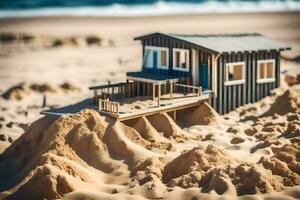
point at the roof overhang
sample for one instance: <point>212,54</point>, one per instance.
<point>205,48</point>
<point>143,37</point>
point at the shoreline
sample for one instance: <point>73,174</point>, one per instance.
<point>137,18</point>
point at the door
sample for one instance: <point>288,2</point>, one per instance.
<point>155,59</point>
<point>204,76</point>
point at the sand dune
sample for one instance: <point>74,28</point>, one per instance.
<point>23,90</point>
<point>10,39</point>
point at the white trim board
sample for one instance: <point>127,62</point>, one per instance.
<point>265,80</point>
<point>158,49</point>
<point>187,69</point>
<point>235,82</point>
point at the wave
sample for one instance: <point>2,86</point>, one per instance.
<point>159,8</point>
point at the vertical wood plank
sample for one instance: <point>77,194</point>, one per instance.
<point>225,93</point>
<point>158,96</point>
<point>257,85</point>
<point>220,84</point>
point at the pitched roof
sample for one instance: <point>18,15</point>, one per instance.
<point>222,43</point>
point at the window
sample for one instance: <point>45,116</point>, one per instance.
<point>156,57</point>
<point>163,55</point>
<point>148,58</point>
<point>265,71</point>
<point>235,73</point>
<point>181,60</point>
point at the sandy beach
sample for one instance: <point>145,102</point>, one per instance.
<point>49,62</point>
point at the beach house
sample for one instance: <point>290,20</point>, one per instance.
<point>226,70</point>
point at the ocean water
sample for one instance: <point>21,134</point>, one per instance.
<point>29,8</point>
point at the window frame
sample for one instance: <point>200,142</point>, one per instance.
<point>187,51</point>
<point>165,67</point>
<point>260,80</point>
<point>235,82</point>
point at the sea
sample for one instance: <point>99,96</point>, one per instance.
<point>127,8</point>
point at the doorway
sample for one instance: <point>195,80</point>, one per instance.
<point>155,60</point>
<point>204,76</point>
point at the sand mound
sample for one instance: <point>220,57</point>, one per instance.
<point>45,183</point>
<point>42,88</point>
<point>66,86</point>
<point>289,101</point>
<point>218,180</point>
<point>202,115</point>
<point>70,144</point>
<point>192,179</point>
<point>152,189</point>
<point>22,90</point>
<point>16,92</point>
<point>46,41</point>
<point>281,169</point>
<point>147,131</point>
<point>199,158</point>
<point>147,167</point>
<point>124,141</point>
<point>255,179</point>
<point>165,124</point>
<point>237,140</point>
<point>147,178</point>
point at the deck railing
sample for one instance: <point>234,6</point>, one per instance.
<point>111,94</point>
<point>109,106</point>
<point>195,89</point>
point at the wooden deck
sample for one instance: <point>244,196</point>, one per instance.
<point>169,106</point>
<point>127,102</point>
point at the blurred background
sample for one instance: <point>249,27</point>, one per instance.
<point>58,48</point>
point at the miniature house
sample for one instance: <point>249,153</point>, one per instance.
<point>226,70</point>
<point>237,68</point>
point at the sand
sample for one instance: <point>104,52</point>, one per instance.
<point>57,158</point>
<point>202,115</point>
<point>249,153</point>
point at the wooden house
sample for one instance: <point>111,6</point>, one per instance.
<point>236,68</point>
<point>226,70</point>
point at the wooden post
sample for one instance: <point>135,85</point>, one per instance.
<point>108,89</point>
<point>171,90</point>
<point>138,89</point>
<point>199,91</point>
<point>144,89</point>
<point>126,89</point>
<point>118,104</point>
<point>158,95</point>
<point>148,89</point>
<point>107,104</point>
<point>174,115</point>
<point>95,97</point>
<point>153,91</point>
<point>100,105</point>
